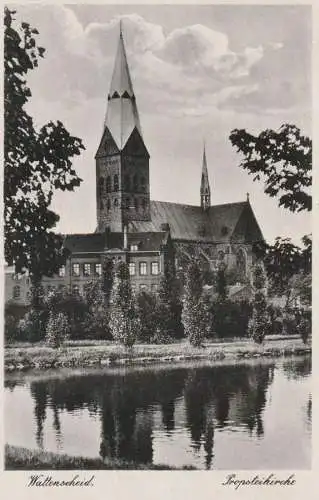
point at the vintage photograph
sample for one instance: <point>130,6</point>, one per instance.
<point>157,237</point>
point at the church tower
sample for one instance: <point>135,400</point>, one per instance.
<point>204,187</point>
<point>122,160</point>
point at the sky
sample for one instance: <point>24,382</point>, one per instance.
<point>198,72</point>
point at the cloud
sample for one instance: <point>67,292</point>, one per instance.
<point>192,68</point>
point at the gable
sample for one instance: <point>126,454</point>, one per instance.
<point>135,145</point>
<point>247,228</point>
<point>107,145</point>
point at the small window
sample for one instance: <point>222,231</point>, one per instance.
<point>98,269</point>
<point>116,202</point>
<point>76,269</point>
<point>108,205</point>
<point>132,268</point>
<point>16,292</point>
<point>134,248</point>
<point>76,290</point>
<point>87,269</point>
<point>155,268</point>
<point>143,288</point>
<point>116,182</point>
<point>143,268</point>
<point>62,271</point>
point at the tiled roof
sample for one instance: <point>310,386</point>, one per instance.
<point>189,222</point>
<point>93,242</point>
<point>149,241</point>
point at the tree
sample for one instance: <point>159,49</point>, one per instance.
<point>169,304</point>
<point>123,318</point>
<point>195,314</point>
<point>36,163</point>
<point>57,329</point>
<point>259,322</point>
<point>283,159</point>
<point>146,308</point>
<point>97,319</point>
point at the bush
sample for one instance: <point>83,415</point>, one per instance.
<point>159,337</point>
<point>58,329</point>
<point>230,319</point>
<point>259,323</point>
<point>148,316</point>
<point>32,326</point>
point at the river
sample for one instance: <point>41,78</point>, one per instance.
<point>252,415</point>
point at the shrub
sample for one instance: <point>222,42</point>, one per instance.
<point>230,319</point>
<point>32,326</point>
<point>124,322</point>
<point>148,316</point>
<point>195,315</point>
<point>259,322</point>
<point>57,330</point>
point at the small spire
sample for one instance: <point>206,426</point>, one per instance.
<point>121,29</point>
<point>205,188</point>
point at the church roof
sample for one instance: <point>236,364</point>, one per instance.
<point>122,114</point>
<point>188,222</point>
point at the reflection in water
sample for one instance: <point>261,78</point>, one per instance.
<point>135,407</point>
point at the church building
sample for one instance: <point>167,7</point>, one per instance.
<point>142,232</point>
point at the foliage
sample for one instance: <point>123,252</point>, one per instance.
<point>124,323</point>
<point>107,279</point>
<point>283,159</point>
<point>97,320</point>
<point>57,329</point>
<point>32,326</point>
<point>194,315</point>
<point>36,163</point>
<point>147,313</point>
<point>169,303</point>
<point>75,309</point>
<point>304,326</point>
<point>259,321</point>
<point>230,319</point>
<point>288,266</point>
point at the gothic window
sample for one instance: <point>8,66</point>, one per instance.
<point>108,204</point>
<point>135,183</point>
<point>116,202</point>
<point>241,263</point>
<point>101,204</point>
<point>127,186</point>
<point>143,184</point>
<point>108,184</point>
<point>116,182</point>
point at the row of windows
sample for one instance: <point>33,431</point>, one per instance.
<point>143,271</point>
<point>130,183</point>
<point>89,269</point>
<point>128,203</point>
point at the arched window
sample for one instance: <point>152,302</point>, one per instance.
<point>127,184</point>
<point>16,292</point>
<point>135,183</point>
<point>241,263</point>
<point>116,182</point>
<point>116,202</point>
<point>108,184</point>
<point>108,204</point>
<point>143,184</point>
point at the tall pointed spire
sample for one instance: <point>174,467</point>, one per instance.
<point>122,115</point>
<point>204,187</point>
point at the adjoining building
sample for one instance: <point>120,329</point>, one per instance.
<point>144,233</point>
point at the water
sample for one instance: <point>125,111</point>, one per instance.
<point>249,416</point>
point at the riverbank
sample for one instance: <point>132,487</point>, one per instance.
<point>18,458</point>
<point>40,357</point>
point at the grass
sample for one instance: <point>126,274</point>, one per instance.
<point>18,458</point>
<point>110,353</point>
